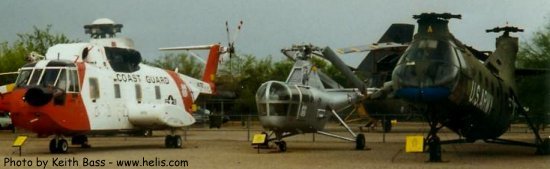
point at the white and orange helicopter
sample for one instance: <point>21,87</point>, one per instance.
<point>101,86</point>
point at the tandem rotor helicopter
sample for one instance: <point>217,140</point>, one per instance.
<point>452,85</point>
<point>455,86</point>
<point>103,87</point>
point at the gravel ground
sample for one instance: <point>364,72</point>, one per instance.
<point>228,148</point>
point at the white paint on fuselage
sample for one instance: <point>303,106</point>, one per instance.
<point>110,113</point>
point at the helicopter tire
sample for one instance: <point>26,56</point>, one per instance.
<point>168,141</point>
<point>434,149</point>
<point>282,146</point>
<point>62,146</point>
<point>360,142</point>
<point>544,147</point>
<point>53,146</point>
<point>177,141</point>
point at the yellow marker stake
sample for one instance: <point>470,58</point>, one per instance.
<point>258,140</point>
<point>19,141</point>
<point>414,144</point>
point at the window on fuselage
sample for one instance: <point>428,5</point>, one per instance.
<point>138,93</point>
<point>74,83</point>
<point>157,92</point>
<point>94,88</point>
<point>117,91</point>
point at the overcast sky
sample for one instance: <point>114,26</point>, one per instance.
<point>269,25</point>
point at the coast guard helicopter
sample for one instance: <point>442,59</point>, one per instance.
<point>102,87</point>
<point>302,104</point>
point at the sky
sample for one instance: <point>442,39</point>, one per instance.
<point>269,25</point>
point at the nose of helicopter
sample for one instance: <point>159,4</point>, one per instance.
<point>38,96</point>
<point>426,81</point>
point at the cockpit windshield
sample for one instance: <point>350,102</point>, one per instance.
<point>64,78</point>
<point>429,50</point>
<point>427,63</point>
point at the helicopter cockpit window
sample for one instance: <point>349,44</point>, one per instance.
<point>24,76</point>
<point>49,77</point>
<point>73,82</point>
<point>428,62</point>
<point>35,77</point>
<point>123,60</point>
<point>430,50</point>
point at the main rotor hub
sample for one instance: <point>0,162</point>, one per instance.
<point>505,29</point>
<point>301,51</point>
<point>102,28</point>
<point>436,16</point>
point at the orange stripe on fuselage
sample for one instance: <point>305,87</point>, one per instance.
<point>187,97</point>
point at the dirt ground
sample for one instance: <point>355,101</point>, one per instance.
<point>229,147</point>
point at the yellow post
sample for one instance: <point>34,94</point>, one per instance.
<point>19,141</point>
<point>258,140</point>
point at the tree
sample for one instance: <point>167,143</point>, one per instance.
<point>534,92</point>
<point>13,56</point>
<point>182,61</point>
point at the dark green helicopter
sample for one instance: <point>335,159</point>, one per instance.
<point>470,92</point>
<point>452,85</point>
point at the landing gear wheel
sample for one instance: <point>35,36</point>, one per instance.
<point>360,142</point>
<point>282,146</point>
<point>53,146</point>
<point>168,141</point>
<point>62,146</point>
<point>177,141</point>
<point>544,147</point>
<point>434,149</point>
<point>173,141</point>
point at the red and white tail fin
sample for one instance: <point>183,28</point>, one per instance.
<point>211,67</point>
<point>211,64</point>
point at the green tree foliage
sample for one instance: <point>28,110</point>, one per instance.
<point>534,91</point>
<point>13,56</point>
<point>182,61</point>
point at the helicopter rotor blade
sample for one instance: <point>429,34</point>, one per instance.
<point>371,47</point>
<point>9,73</point>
